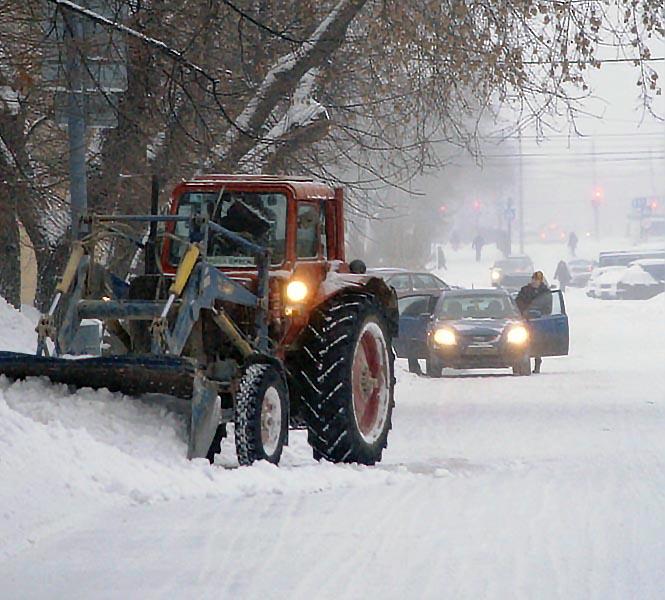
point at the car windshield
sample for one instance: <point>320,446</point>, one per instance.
<point>476,306</point>
<point>259,218</point>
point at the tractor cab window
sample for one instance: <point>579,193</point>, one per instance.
<point>323,230</point>
<point>307,238</point>
<point>258,217</point>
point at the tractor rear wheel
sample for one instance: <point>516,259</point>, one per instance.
<point>261,415</point>
<point>347,379</point>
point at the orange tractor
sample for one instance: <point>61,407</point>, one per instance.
<point>247,312</point>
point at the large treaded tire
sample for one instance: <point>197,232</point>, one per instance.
<point>262,385</point>
<point>338,331</point>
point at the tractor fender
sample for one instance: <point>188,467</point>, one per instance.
<point>336,284</point>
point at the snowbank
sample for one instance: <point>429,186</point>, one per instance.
<point>64,455</point>
<point>17,331</point>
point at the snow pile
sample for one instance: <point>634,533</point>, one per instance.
<point>64,455</point>
<point>17,331</point>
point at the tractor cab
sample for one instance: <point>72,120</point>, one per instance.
<point>297,219</point>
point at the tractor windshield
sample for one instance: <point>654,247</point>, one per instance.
<point>258,217</point>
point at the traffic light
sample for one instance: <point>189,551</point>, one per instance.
<point>476,205</point>
<point>653,204</point>
<point>598,195</point>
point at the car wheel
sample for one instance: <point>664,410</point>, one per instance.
<point>523,367</point>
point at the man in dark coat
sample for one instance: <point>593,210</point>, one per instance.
<point>536,288</point>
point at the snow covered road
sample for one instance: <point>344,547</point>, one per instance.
<point>551,486</point>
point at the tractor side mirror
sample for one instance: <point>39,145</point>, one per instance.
<point>357,267</point>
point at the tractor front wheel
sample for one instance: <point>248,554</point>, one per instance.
<point>348,380</point>
<point>261,415</point>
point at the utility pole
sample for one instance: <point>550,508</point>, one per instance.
<point>509,213</point>
<point>86,67</point>
<point>521,195</point>
<point>595,201</point>
<point>78,187</point>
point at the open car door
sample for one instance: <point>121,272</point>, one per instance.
<point>548,325</point>
<point>415,312</point>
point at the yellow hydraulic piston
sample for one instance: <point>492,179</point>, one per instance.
<point>185,269</point>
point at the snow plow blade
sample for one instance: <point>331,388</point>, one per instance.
<point>132,376</point>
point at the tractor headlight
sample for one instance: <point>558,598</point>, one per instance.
<point>517,335</point>
<point>445,337</point>
<point>495,275</point>
<point>296,291</point>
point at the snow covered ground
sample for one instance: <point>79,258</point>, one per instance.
<point>551,486</point>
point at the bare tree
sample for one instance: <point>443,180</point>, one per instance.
<point>354,91</point>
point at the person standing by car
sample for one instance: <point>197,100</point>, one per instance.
<point>562,275</point>
<point>525,298</point>
<point>440,258</point>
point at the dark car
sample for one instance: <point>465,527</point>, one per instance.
<point>410,282</point>
<point>580,271</point>
<point>512,272</point>
<point>481,329</point>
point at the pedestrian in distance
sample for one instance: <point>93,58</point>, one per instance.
<point>562,275</point>
<point>440,258</point>
<point>477,244</point>
<point>454,241</point>
<point>572,242</point>
<point>525,299</point>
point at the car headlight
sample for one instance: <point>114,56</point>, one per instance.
<point>445,337</point>
<point>495,275</point>
<point>517,335</point>
<point>296,291</point>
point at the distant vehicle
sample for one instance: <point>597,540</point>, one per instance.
<point>580,271</point>
<point>552,232</point>
<point>483,329</point>
<point>512,272</point>
<point>654,266</point>
<point>622,258</point>
<point>637,284</point>
<point>603,282</point>
<point>410,282</point>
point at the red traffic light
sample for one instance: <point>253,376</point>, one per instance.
<point>598,195</point>
<point>476,205</point>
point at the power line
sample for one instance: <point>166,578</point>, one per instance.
<point>573,156</point>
